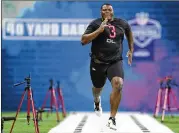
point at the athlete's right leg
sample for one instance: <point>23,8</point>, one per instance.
<point>98,77</point>
<point>97,94</point>
<point>97,101</point>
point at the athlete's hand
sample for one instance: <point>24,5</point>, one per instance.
<point>103,25</point>
<point>129,55</point>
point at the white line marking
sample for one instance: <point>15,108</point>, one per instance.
<point>95,124</point>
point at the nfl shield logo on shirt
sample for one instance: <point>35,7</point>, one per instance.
<point>145,32</point>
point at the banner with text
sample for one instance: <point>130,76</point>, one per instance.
<point>44,29</point>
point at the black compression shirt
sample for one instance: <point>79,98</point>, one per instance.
<point>108,45</point>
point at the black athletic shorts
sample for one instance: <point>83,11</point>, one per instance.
<point>100,72</point>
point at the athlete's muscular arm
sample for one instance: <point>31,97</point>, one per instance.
<point>129,37</point>
<point>88,37</point>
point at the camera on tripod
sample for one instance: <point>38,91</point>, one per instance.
<point>27,80</point>
<point>30,102</point>
<point>170,82</point>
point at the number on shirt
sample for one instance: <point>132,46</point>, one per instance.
<point>113,31</point>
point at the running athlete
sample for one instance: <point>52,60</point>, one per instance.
<point>107,35</point>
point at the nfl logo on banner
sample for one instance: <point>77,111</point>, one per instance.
<point>145,32</point>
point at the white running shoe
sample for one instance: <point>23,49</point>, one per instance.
<point>112,123</point>
<point>97,108</point>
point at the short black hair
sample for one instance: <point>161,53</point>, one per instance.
<point>105,4</point>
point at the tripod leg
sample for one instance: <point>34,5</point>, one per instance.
<point>51,100</point>
<point>161,99</point>
<point>33,111</point>
<point>165,103</point>
<point>18,110</point>
<point>28,107</point>
<point>62,102</point>
<point>46,97</point>
<point>168,101</point>
<point>58,99</point>
<point>157,107</point>
<point>55,102</point>
<point>43,105</point>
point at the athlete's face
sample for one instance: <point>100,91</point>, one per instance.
<point>107,12</point>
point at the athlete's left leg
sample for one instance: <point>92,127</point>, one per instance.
<point>115,74</point>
